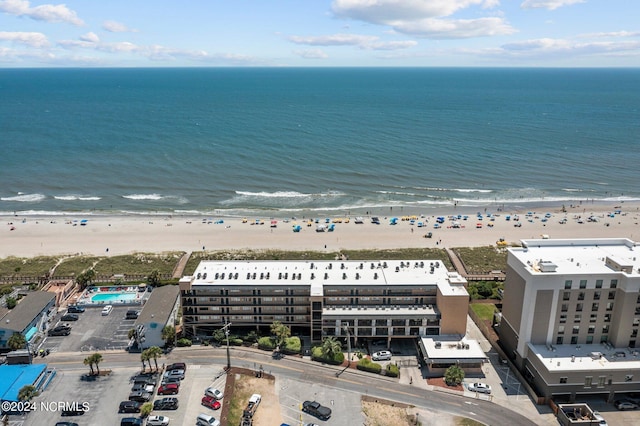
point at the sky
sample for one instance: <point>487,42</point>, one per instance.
<point>319,33</point>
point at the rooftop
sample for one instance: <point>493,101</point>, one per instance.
<point>557,358</point>
<point>579,256</point>
<point>26,310</point>
<point>159,306</point>
<point>14,377</point>
<point>451,349</point>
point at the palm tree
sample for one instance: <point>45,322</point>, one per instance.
<point>27,392</point>
<point>144,356</point>
<point>331,347</point>
<point>154,352</point>
<point>16,341</point>
<point>88,361</point>
<point>168,335</point>
<point>96,359</point>
<point>281,331</point>
<point>153,279</point>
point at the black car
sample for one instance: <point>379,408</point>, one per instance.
<point>70,317</point>
<point>132,314</point>
<point>66,424</point>
<point>316,409</point>
<point>168,403</point>
<point>177,366</point>
<point>78,410</point>
<point>75,309</point>
<point>129,407</point>
<point>140,396</point>
<point>61,330</point>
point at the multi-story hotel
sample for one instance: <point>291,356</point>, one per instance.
<point>571,313</point>
<point>380,300</point>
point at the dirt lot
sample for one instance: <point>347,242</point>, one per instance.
<point>240,386</point>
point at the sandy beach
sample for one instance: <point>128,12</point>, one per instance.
<point>28,236</point>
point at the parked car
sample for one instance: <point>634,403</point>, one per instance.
<point>76,409</point>
<point>169,389</point>
<point>479,387</point>
<point>316,409</point>
<point>601,421</point>
<point>626,404</point>
<point>70,317</point>
<point>178,374</point>
<point>107,310</point>
<point>211,402</point>
<point>129,407</point>
<point>132,314</point>
<point>145,378</point>
<point>140,396</point>
<point>381,356</point>
<point>61,330</point>
<point>143,387</point>
<point>131,421</point>
<point>157,421</point>
<point>215,393</point>
<point>170,381</point>
<point>66,424</point>
<point>75,309</point>
<point>207,420</point>
<point>177,366</point>
<point>166,403</point>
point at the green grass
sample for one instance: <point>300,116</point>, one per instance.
<point>484,311</point>
<point>138,263</point>
<point>26,267</point>
<point>482,259</point>
<point>73,266</point>
<point>463,421</point>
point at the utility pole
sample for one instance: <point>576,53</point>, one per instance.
<point>226,327</point>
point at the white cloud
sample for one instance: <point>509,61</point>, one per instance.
<point>425,18</point>
<point>31,39</point>
<point>90,37</point>
<point>45,12</point>
<point>548,4</point>
<point>362,41</point>
<point>545,47</point>
<point>613,34</point>
<point>311,54</point>
<point>117,27</point>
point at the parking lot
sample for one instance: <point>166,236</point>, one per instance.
<point>93,331</point>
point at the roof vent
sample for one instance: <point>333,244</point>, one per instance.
<point>199,275</point>
<point>330,266</point>
<point>236,275</point>
<point>326,275</point>
<point>384,264</point>
<point>293,276</point>
<point>344,276</point>
<point>204,276</point>
<point>422,264</point>
<point>222,276</point>
<point>342,266</point>
<point>438,345</point>
<point>313,275</point>
<point>397,269</point>
<point>375,276</point>
<point>248,275</point>
<point>372,265</point>
<point>261,275</point>
<point>357,276</point>
<point>299,275</point>
<point>217,275</point>
<point>279,275</point>
<point>286,275</point>
<point>311,265</point>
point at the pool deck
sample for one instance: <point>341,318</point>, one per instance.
<point>86,299</point>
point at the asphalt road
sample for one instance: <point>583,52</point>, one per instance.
<point>303,371</point>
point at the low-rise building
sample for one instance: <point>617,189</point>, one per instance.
<point>160,309</point>
<point>29,317</point>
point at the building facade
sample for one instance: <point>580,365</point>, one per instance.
<point>160,309</point>
<point>379,300</point>
<point>571,313</point>
<point>30,317</point>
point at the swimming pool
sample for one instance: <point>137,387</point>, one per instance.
<point>113,297</point>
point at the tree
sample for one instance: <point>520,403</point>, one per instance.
<point>281,331</point>
<point>11,302</point>
<point>219,335</point>
<point>146,409</point>
<point>96,359</point>
<point>16,341</point>
<point>330,347</point>
<point>89,362</point>
<point>154,352</point>
<point>168,335</point>
<point>144,357</point>
<point>85,278</point>
<point>454,375</point>
<point>131,334</point>
<point>153,278</point>
<point>27,392</point>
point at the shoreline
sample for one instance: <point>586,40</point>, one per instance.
<point>104,234</point>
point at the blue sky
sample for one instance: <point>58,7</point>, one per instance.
<point>300,33</point>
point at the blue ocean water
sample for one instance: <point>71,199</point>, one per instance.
<point>290,141</point>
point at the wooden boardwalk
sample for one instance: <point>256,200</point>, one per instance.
<point>182,263</point>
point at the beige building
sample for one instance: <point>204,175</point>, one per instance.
<point>571,313</point>
<point>379,300</point>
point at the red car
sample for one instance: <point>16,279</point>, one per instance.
<point>168,389</point>
<point>211,402</point>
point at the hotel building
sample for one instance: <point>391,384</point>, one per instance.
<point>571,313</point>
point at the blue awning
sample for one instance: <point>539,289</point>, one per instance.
<point>30,333</point>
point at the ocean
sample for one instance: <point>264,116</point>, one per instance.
<point>314,141</point>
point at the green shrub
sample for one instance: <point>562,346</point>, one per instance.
<point>316,355</point>
<point>266,343</point>
<point>251,336</point>
<point>292,345</point>
<point>365,364</point>
<point>236,341</point>
<point>146,409</point>
<point>11,303</point>
<point>454,375</point>
<point>183,342</point>
<point>392,370</point>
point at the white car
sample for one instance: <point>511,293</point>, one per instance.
<point>157,421</point>
<point>601,421</point>
<point>381,356</point>
<point>216,393</point>
<point>479,387</point>
<point>177,374</point>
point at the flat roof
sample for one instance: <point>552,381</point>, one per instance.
<point>319,274</point>
<point>18,318</point>
<point>558,358</point>
<point>159,306</point>
<point>383,311</point>
<point>14,377</point>
<point>578,256</point>
<point>451,349</point>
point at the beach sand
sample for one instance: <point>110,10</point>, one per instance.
<point>29,236</point>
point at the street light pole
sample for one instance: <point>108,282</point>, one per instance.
<point>226,333</point>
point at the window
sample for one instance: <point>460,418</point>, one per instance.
<point>636,322</point>
<point>604,338</point>
<point>612,295</point>
<point>592,329</point>
<point>566,295</point>
<point>583,283</point>
<point>563,318</point>
<point>567,285</point>
<point>634,333</point>
<point>598,283</point>
<point>628,377</point>
<point>638,299</point>
<point>559,340</point>
<point>596,295</point>
<point>610,306</point>
<point>594,307</point>
<point>563,380</point>
<point>576,329</point>
<point>601,381</point>
<point>589,340</point>
<point>579,307</point>
<point>607,317</point>
<point>605,329</point>
<point>581,295</point>
<point>561,329</point>
<point>574,340</point>
<point>614,284</point>
<point>593,318</point>
<point>577,318</point>
<point>587,381</point>
<point>565,307</point>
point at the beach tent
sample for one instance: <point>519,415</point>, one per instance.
<point>296,228</point>
<point>83,222</point>
<point>393,221</point>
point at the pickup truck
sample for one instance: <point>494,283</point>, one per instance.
<point>252,406</point>
<point>316,409</point>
